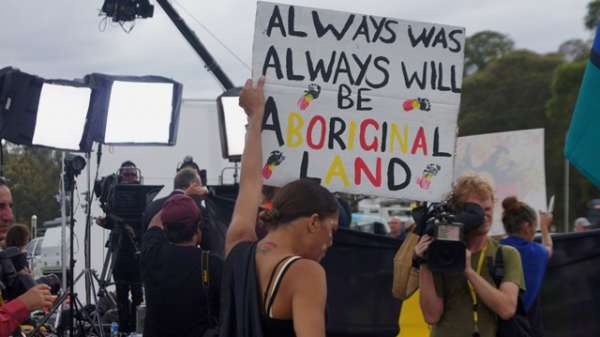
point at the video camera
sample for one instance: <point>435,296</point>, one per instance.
<point>13,284</point>
<point>124,202</point>
<point>446,253</point>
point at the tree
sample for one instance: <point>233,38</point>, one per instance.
<point>509,94</point>
<point>592,18</point>
<point>564,89</point>
<point>34,175</point>
<point>574,50</point>
<point>512,93</point>
<point>484,47</point>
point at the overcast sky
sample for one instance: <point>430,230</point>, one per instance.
<point>62,39</point>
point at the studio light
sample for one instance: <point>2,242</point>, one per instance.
<point>74,164</point>
<point>131,110</point>
<point>232,122</point>
<point>49,113</point>
<point>127,10</point>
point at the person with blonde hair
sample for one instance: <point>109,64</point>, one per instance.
<point>469,303</point>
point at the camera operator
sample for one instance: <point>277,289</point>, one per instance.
<point>182,281</point>
<point>123,244</point>
<point>468,303</point>
<point>188,181</point>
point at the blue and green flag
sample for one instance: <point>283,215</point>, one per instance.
<point>582,147</point>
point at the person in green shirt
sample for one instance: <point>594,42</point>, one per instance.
<point>469,303</point>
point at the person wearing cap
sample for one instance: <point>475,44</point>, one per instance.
<point>181,300</point>
<point>188,181</point>
<point>581,224</point>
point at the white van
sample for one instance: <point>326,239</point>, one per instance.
<point>51,248</point>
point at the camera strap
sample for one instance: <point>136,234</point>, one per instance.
<point>204,261</point>
<point>474,294</point>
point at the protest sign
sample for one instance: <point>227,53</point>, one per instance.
<point>365,104</point>
<point>513,163</point>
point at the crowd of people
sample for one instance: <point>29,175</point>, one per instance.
<point>262,277</point>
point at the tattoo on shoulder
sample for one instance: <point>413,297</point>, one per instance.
<point>263,250</point>
<point>266,247</point>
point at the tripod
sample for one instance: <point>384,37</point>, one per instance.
<point>71,170</point>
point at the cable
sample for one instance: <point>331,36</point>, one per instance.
<point>212,34</point>
<point>125,29</point>
<point>103,23</point>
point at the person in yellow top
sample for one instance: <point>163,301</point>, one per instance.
<point>411,322</point>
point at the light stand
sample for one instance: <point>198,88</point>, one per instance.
<point>72,167</point>
<point>235,169</point>
<point>1,158</point>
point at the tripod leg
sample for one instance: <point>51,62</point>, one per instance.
<point>98,318</point>
<point>57,304</point>
<point>106,266</point>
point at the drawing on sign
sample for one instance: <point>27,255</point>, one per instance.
<point>274,160</point>
<point>422,104</point>
<point>429,172</point>
<point>512,162</point>
<point>310,94</point>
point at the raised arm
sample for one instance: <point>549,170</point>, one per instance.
<point>545,222</point>
<point>243,220</point>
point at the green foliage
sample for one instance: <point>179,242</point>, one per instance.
<point>510,94</point>
<point>485,47</point>
<point>574,50</point>
<point>34,179</point>
<point>592,16</point>
<point>565,87</point>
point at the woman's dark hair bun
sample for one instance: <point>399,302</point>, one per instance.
<point>511,203</point>
<point>269,217</point>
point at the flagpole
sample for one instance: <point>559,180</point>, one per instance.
<point>567,197</point>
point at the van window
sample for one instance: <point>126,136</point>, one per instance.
<point>38,247</point>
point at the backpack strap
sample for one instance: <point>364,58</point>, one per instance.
<point>204,265</point>
<point>497,267</point>
<point>497,272</point>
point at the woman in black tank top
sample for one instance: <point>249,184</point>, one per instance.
<point>276,286</point>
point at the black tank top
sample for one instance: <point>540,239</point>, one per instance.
<point>273,327</point>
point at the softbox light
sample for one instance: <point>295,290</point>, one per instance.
<point>132,110</point>
<point>232,122</point>
<point>48,113</point>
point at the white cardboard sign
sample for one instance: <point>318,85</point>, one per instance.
<point>366,104</point>
<point>512,162</point>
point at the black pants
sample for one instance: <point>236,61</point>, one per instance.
<point>127,309</point>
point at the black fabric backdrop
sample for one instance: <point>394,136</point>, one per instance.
<point>359,279</point>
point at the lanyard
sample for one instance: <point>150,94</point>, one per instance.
<point>474,294</point>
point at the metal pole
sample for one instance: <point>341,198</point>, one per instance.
<point>63,231</point>
<point>192,39</point>
<point>34,226</point>
<point>88,236</point>
<point>72,258</point>
<point>1,157</point>
<point>567,196</point>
